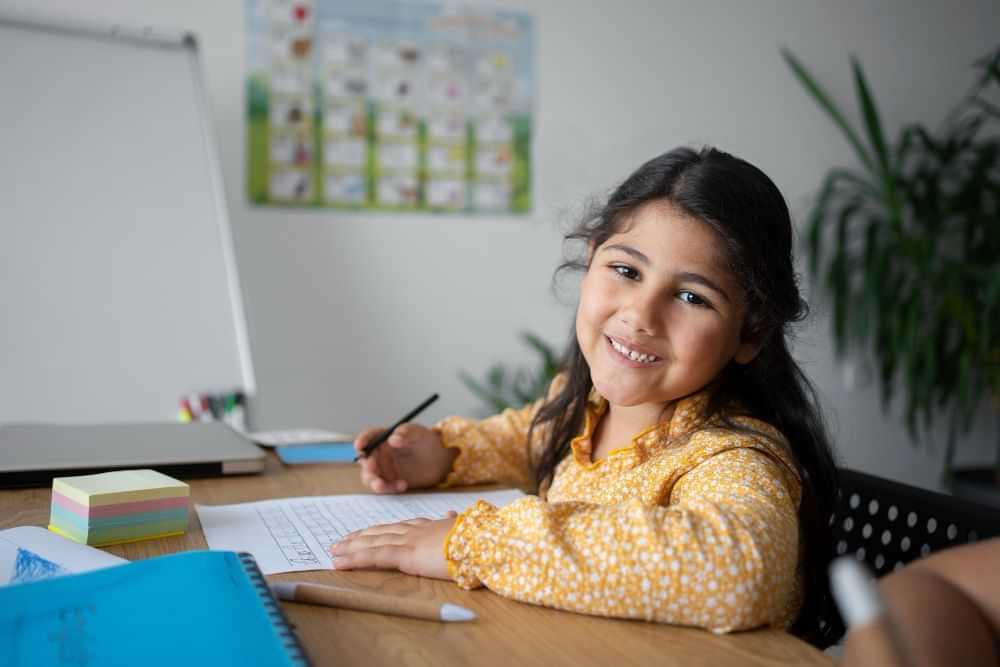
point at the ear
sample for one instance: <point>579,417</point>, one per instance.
<point>747,352</point>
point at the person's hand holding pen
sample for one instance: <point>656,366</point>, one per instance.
<point>412,456</point>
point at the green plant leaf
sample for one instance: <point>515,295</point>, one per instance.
<point>506,387</point>
<point>824,101</point>
<point>550,360</point>
<point>990,64</point>
<point>838,273</point>
<point>488,395</point>
<point>873,125</point>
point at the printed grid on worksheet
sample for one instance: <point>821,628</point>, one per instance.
<point>287,537</point>
<point>329,520</point>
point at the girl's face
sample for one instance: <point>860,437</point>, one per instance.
<point>659,315</point>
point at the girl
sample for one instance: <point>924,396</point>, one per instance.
<point>682,469</point>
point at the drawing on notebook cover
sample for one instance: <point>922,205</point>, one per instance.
<point>32,553</point>
<point>29,566</point>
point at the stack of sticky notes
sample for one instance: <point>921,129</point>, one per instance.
<point>120,506</point>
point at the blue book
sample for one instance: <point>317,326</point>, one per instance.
<point>213,607</point>
<point>326,452</point>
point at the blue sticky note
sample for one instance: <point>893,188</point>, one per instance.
<point>326,452</point>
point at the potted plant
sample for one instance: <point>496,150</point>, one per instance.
<point>505,387</point>
<point>907,248</point>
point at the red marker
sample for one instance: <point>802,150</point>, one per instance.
<point>186,413</point>
<point>206,409</point>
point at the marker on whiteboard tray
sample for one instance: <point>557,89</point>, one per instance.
<point>199,409</point>
<point>185,412</point>
<point>206,409</point>
<point>228,407</point>
<point>239,419</point>
<point>215,404</point>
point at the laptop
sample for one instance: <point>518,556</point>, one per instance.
<point>31,454</point>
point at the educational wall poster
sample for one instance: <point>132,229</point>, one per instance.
<point>389,105</point>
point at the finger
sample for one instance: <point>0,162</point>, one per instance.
<point>367,541</point>
<point>398,527</point>
<point>363,541</point>
<point>386,557</point>
<point>402,436</point>
<point>386,460</point>
<point>382,486</point>
<point>397,440</point>
<point>366,436</point>
<point>367,464</point>
<point>368,479</point>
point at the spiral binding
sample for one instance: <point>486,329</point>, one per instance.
<point>278,619</point>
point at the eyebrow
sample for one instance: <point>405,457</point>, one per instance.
<point>684,276</point>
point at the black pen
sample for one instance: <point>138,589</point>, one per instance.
<point>371,446</point>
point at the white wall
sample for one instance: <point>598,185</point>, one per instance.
<point>355,317</point>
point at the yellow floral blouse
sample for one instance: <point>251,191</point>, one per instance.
<point>689,524</point>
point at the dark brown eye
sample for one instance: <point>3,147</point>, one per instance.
<point>626,271</point>
<point>690,297</point>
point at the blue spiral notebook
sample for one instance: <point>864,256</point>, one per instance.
<point>210,606</point>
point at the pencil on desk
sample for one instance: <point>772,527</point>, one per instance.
<point>346,598</point>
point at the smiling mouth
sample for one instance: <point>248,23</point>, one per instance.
<point>632,355</point>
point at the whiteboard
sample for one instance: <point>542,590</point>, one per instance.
<point>118,284</point>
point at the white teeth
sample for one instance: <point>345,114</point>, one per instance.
<point>632,354</point>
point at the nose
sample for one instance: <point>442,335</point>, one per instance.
<point>642,312</point>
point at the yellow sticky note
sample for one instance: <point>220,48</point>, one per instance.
<point>120,486</point>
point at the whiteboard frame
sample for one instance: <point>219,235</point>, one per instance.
<point>148,36</point>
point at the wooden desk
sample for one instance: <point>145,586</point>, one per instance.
<point>506,632</point>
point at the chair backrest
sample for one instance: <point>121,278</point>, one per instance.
<point>886,525</point>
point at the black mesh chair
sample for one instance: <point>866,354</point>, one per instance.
<point>886,524</point>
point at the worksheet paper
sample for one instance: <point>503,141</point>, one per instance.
<point>295,534</point>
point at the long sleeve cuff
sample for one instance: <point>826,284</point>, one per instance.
<point>473,541</point>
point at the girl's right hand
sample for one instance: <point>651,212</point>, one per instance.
<point>413,457</point>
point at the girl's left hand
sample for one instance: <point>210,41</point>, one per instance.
<point>414,547</point>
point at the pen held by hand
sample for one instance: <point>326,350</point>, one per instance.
<point>346,598</point>
<point>371,446</point>
<point>861,604</point>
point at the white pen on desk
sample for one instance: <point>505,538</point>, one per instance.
<point>348,598</point>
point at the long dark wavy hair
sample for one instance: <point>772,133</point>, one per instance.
<point>747,212</point>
